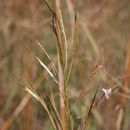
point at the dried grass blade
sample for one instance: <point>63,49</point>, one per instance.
<point>49,7</point>
<point>56,115</point>
<point>61,66</point>
<point>73,47</point>
<point>91,40</point>
<point>127,75</point>
<point>47,55</point>
<point>35,95</point>
<point>46,68</point>
<point>23,103</point>
<point>65,39</point>
<point>90,109</point>
<point>62,97</point>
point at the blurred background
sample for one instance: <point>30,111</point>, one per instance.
<point>103,29</point>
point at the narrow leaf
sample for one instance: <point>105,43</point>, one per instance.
<point>46,68</point>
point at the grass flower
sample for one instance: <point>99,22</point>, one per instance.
<point>107,92</point>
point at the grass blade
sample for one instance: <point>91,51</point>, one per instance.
<point>34,94</point>
<point>46,68</point>
<point>47,55</point>
<point>56,115</point>
<point>90,109</point>
<point>65,39</point>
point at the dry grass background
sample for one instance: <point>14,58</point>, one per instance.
<point>103,29</point>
